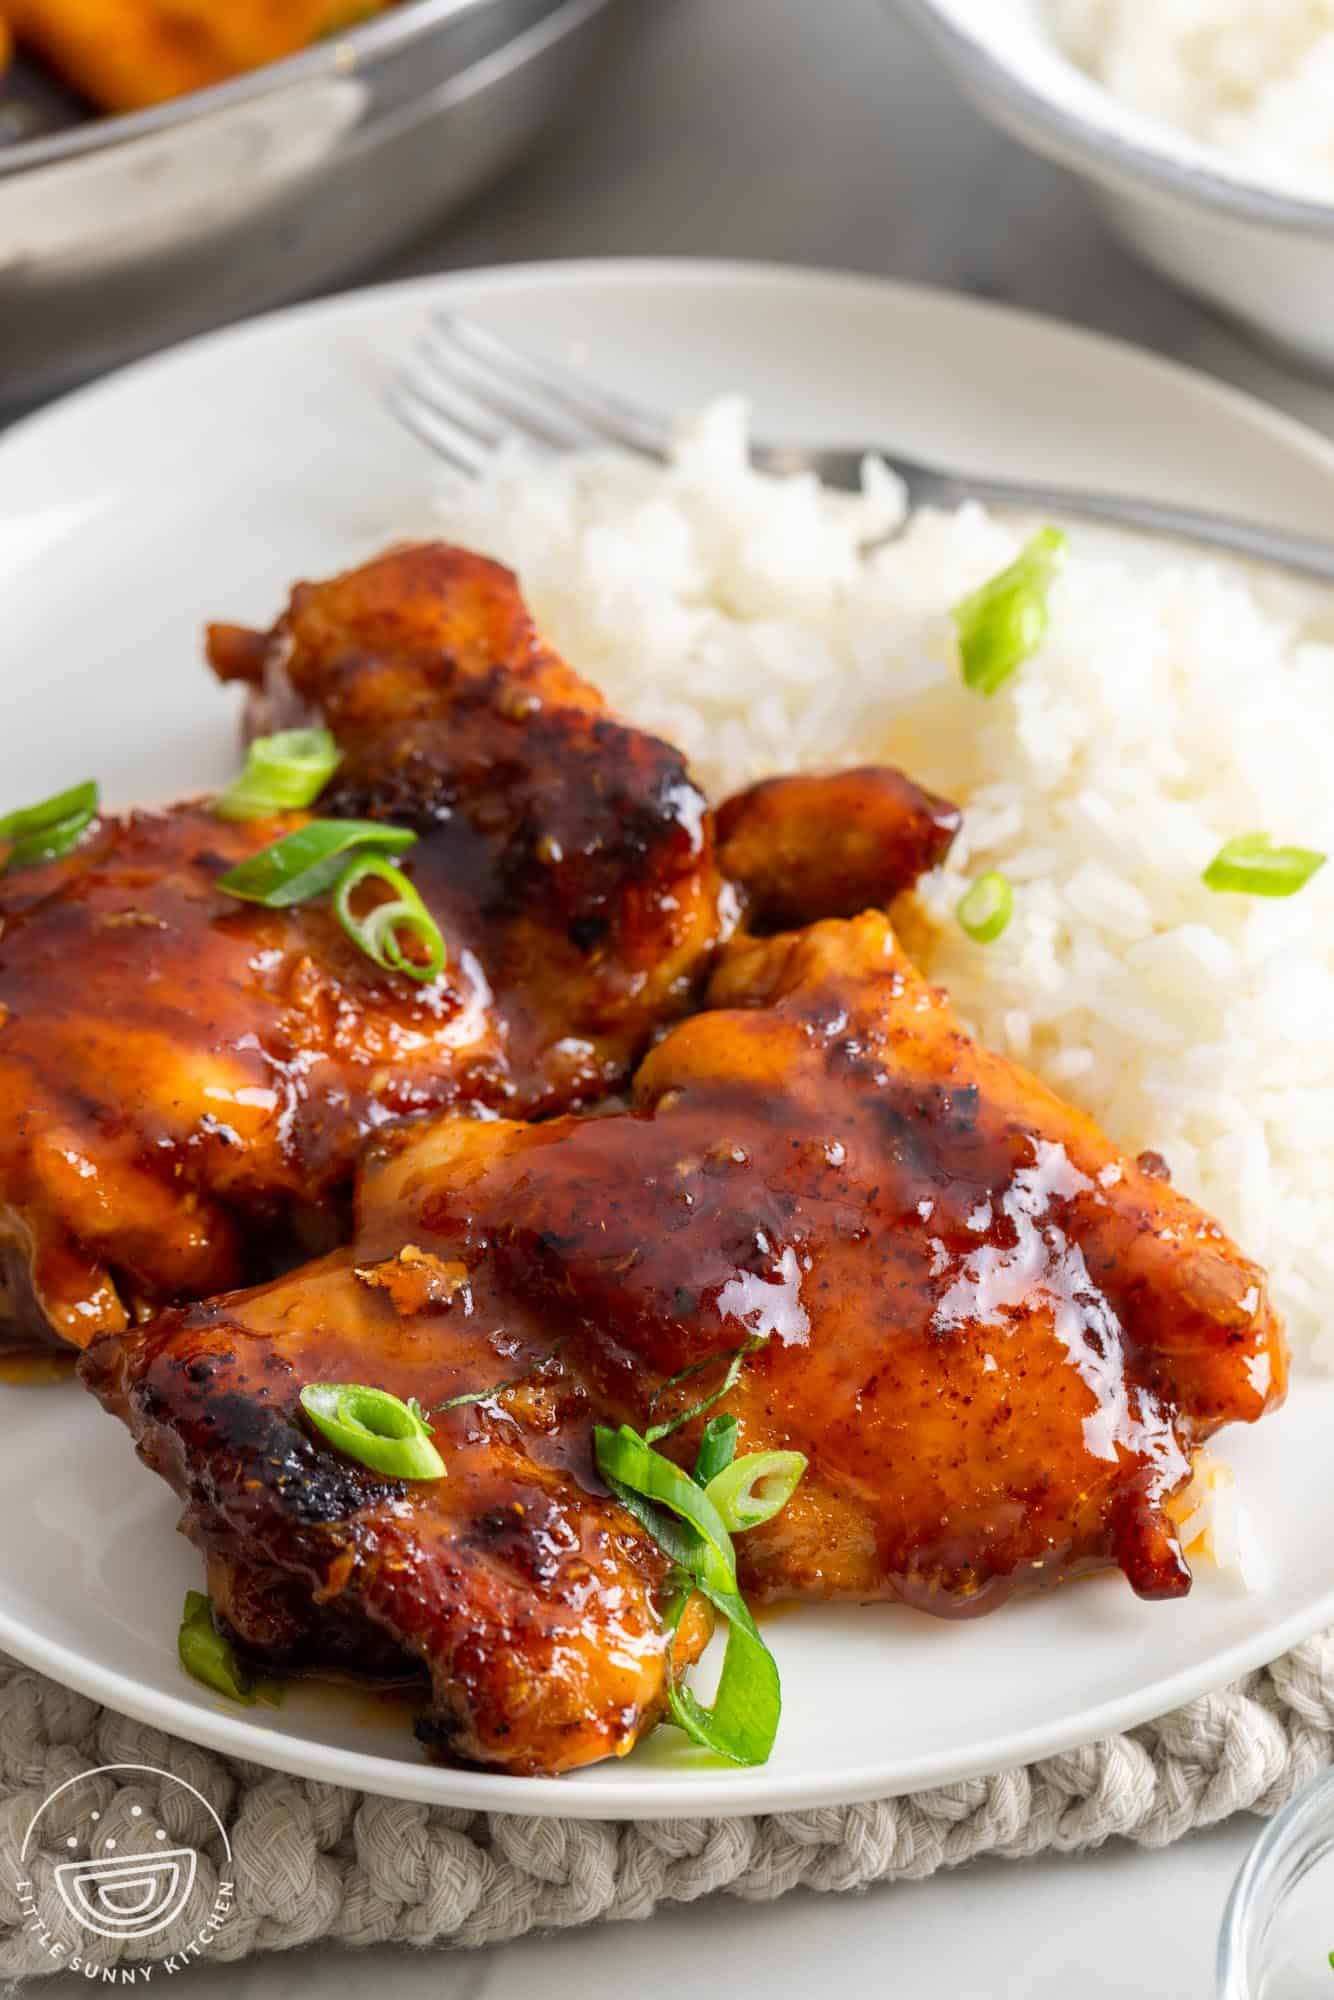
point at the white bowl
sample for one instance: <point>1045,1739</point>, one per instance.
<point>1265,257</point>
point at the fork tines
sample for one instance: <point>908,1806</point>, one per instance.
<point>466,390</point>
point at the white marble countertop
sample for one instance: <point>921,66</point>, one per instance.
<point>1106,1926</point>
<point>816,131</point>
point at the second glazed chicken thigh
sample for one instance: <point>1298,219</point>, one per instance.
<point>996,1339</point>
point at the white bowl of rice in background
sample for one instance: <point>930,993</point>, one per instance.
<point>1205,126</point>
<point>1176,701</point>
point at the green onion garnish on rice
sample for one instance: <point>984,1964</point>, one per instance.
<point>1251,865</point>
<point>985,909</point>
<point>1002,624</point>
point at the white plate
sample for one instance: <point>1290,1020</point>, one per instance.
<point>201,484</point>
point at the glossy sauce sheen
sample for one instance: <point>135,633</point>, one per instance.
<point>996,1340</point>
<point>534,1601</point>
<point>185,1080</point>
<point>807,847</point>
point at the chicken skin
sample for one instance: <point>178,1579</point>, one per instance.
<point>531,1599</point>
<point>570,852</point>
<point>996,1341</point>
<point>186,1080</point>
<point>803,847</point>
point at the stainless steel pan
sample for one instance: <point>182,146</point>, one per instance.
<point>124,233</point>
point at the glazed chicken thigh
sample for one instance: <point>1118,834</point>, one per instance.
<point>996,1341</point>
<point>568,853</point>
<point>533,1601</point>
<point>186,1080</point>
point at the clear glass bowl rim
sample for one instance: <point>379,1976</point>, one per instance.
<point>1280,1858</point>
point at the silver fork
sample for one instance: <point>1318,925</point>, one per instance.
<point>466,390</point>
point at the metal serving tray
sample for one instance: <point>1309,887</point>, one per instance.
<point>118,235</point>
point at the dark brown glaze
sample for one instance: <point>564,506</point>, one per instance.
<point>997,1340</point>
<point>180,1073</point>
<point>531,1598</point>
<point>575,849</point>
<point>185,1081</point>
<point>803,848</point>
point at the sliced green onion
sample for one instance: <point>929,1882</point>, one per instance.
<point>382,930</point>
<point>1002,624</point>
<point>49,829</point>
<point>743,1721</point>
<point>498,1388</point>
<point>304,864</point>
<point>686,1521</point>
<point>753,1489</point>
<point>206,1655</point>
<point>986,908</point>
<point>283,773</point>
<point>735,1357</point>
<point>717,1449</point>
<point>375,1428</point>
<point>677,1513</point>
<point>481,1395</point>
<point>1251,865</point>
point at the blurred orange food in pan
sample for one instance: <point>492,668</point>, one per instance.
<point>124,54</point>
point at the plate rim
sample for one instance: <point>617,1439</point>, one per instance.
<point>726,1794</point>
<point>1242,404</point>
<point>655,1796</point>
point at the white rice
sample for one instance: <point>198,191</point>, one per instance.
<point>1254,78</point>
<point>1215,1528</point>
<point>1176,702</point>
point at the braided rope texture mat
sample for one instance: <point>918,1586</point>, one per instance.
<point>313,1862</point>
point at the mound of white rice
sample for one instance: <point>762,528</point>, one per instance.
<point>1176,702</point>
<point>1254,78</point>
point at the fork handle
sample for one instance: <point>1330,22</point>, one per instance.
<point>1303,554</point>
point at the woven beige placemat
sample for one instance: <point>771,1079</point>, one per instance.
<point>311,1861</point>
